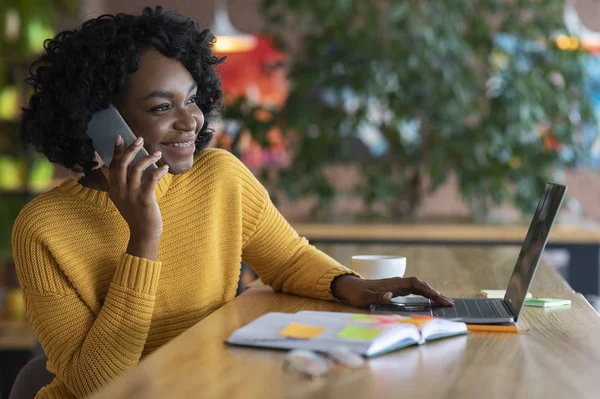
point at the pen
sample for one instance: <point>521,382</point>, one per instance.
<point>488,328</point>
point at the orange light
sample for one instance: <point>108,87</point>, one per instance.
<point>573,43</point>
<point>568,43</point>
<point>235,44</point>
<point>229,39</point>
<point>563,42</point>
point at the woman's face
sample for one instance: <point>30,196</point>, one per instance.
<point>159,105</point>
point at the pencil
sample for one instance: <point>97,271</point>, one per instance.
<point>489,328</point>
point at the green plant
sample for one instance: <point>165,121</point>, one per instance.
<point>475,88</point>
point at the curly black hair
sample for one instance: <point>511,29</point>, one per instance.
<point>80,71</point>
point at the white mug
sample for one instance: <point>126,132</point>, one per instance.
<point>379,266</point>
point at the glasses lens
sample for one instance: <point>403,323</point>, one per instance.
<point>345,357</point>
<point>307,362</point>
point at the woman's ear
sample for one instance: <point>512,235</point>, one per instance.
<point>101,165</point>
<point>98,160</point>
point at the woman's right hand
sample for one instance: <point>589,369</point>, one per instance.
<point>136,201</point>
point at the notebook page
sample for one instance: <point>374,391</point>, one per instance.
<point>439,328</point>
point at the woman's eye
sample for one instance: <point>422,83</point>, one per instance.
<point>160,108</point>
<point>193,100</point>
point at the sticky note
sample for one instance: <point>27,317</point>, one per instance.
<point>498,294</point>
<point>547,302</point>
<point>387,319</point>
<point>364,318</point>
<point>356,332</point>
<point>417,321</point>
<point>301,331</point>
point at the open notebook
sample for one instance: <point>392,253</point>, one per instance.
<point>365,334</point>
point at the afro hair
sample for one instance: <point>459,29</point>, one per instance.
<point>81,70</point>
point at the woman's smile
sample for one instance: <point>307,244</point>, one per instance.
<point>182,147</point>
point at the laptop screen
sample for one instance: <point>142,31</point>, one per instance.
<point>533,246</point>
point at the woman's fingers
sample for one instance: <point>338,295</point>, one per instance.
<point>112,168</point>
<point>122,164</point>
<point>149,186</point>
<point>128,179</point>
<point>137,170</point>
<point>412,285</point>
<point>420,288</point>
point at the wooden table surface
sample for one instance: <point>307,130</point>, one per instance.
<point>16,335</point>
<point>442,233</point>
<point>558,355</point>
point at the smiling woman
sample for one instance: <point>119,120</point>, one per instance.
<point>160,105</point>
<point>112,268</point>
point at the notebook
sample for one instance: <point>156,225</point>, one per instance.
<point>364,334</point>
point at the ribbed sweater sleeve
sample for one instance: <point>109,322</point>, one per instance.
<point>87,350</point>
<point>282,259</point>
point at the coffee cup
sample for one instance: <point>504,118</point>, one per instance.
<point>379,266</point>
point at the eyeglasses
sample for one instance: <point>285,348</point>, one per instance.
<point>315,365</point>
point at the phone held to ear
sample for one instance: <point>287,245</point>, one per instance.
<point>104,128</point>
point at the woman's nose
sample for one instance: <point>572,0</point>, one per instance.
<point>185,121</point>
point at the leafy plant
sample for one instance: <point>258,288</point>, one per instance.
<point>474,88</point>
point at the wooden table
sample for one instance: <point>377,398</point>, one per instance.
<point>557,357</point>
<point>16,335</point>
<point>581,242</point>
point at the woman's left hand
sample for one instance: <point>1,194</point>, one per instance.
<point>363,293</point>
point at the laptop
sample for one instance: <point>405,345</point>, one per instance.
<point>488,310</point>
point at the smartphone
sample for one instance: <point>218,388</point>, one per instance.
<point>104,128</point>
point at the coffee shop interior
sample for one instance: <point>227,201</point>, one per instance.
<point>419,131</point>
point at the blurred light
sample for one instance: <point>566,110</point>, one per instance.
<point>569,43</point>
<point>514,162</point>
<point>371,136</point>
<point>229,39</point>
<point>12,172</point>
<point>593,46</point>
<point>234,44</point>
<point>572,43</point>
<point>589,40</point>
<point>9,102</point>
<point>37,33</point>
<point>41,174</point>
<point>12,26</point>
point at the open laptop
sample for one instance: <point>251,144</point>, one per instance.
<point>493,311</point>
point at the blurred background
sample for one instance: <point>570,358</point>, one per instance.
<point>364,112</point>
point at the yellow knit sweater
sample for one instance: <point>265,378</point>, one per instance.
<point>98,310</point>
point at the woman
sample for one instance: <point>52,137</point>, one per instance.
<point>111,268</point>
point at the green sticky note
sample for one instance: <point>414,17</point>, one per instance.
<point>547,302</point>
<point>362,333</point>
<point>364,318</point>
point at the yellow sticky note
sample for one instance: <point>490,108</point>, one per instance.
<point>301,331</point>
<point>499,294</point>
<point>356,332</point>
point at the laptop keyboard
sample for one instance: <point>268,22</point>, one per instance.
<point>472,308</point>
